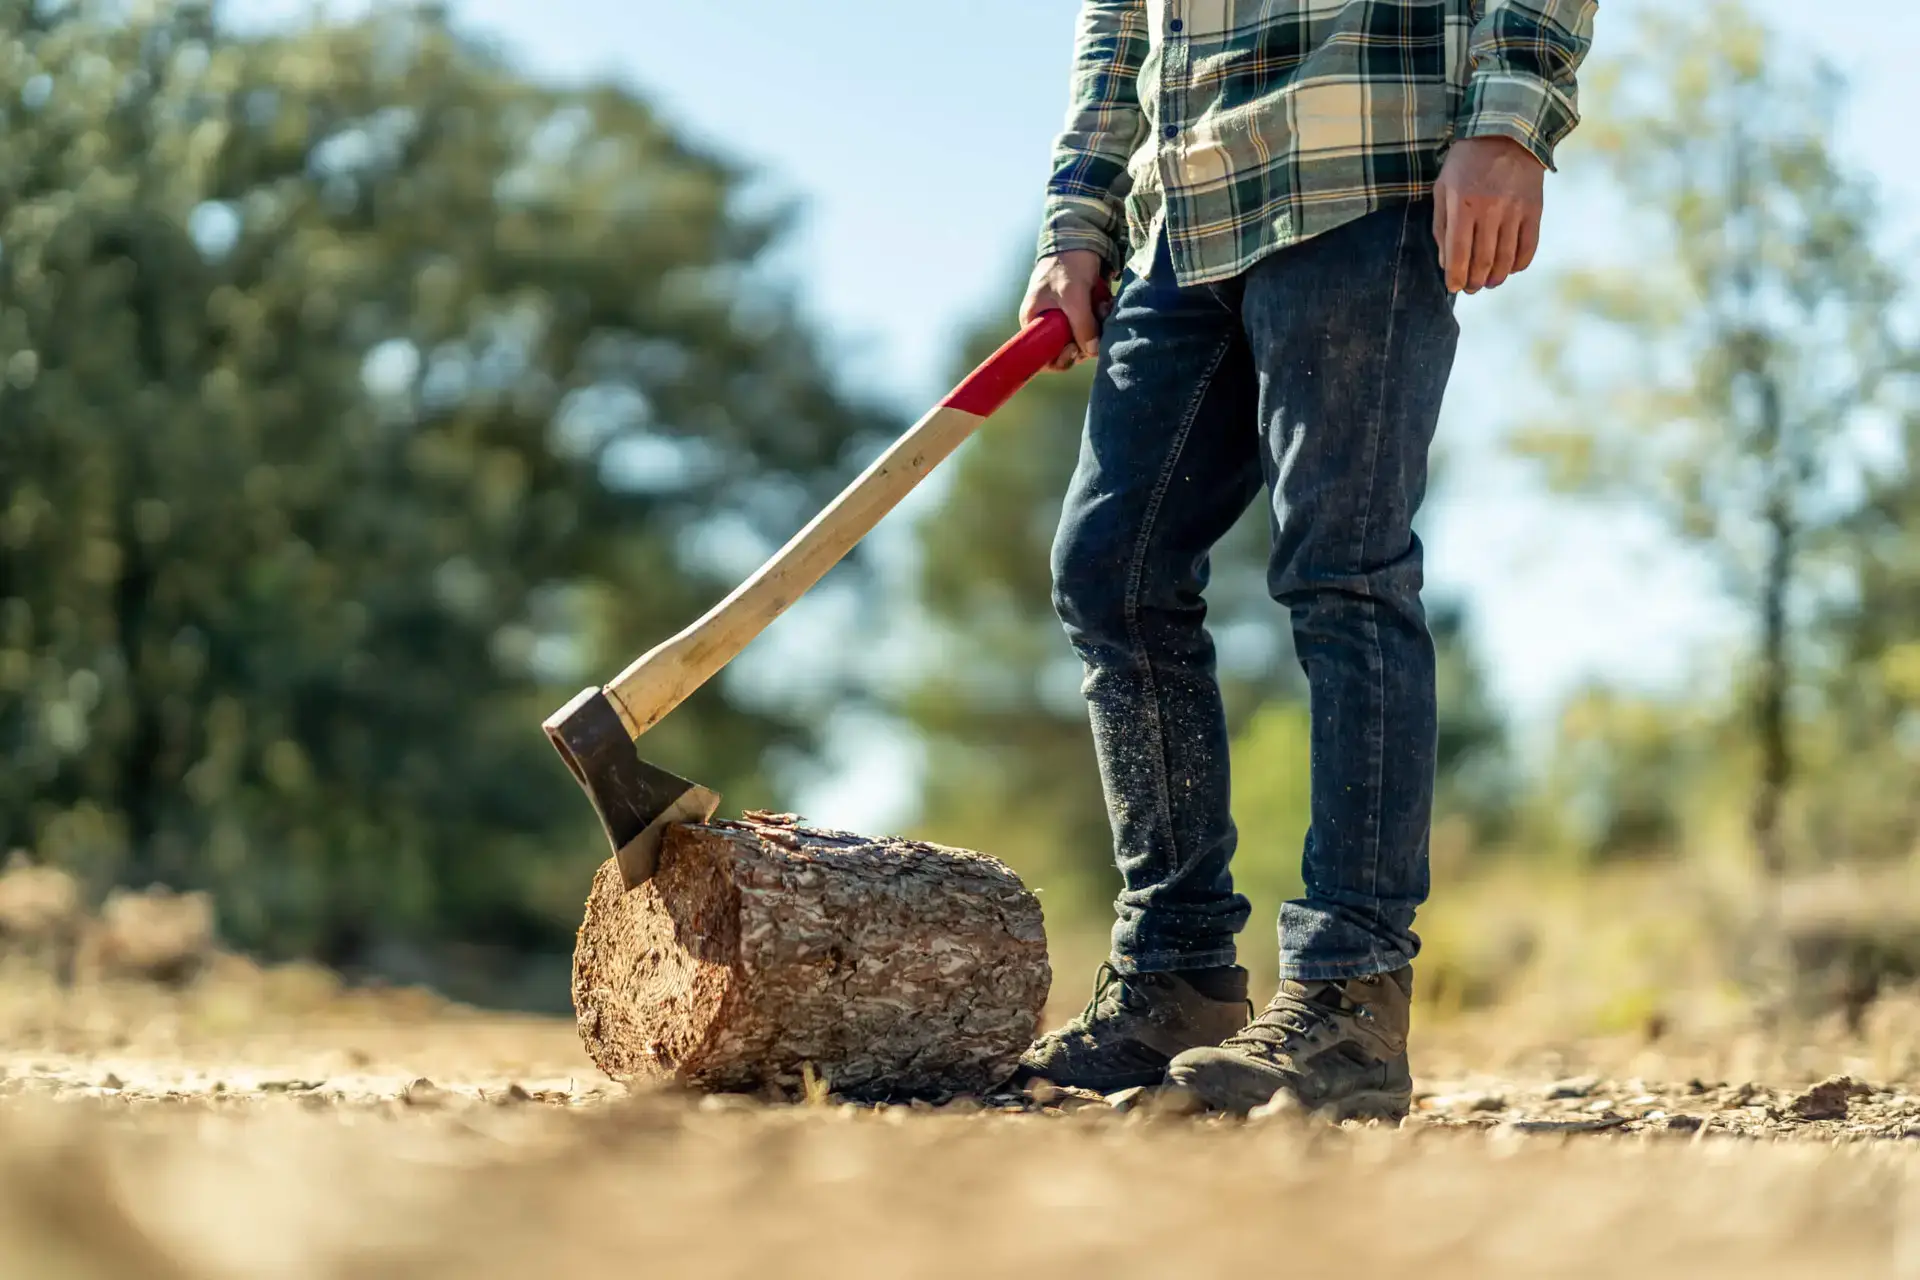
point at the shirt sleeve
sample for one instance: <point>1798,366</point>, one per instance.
<point>1086,193</point>
<point>1522,56</point>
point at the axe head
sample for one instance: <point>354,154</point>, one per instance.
<point>636,801</point>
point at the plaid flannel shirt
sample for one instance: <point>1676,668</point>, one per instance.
<point>1244,126</point>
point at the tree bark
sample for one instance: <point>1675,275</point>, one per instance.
<point>762,949</point>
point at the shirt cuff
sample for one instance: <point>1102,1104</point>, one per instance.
<point>1525,108</point>
<point>1054,240</point>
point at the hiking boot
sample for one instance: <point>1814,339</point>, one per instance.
<point>1135,1024</point>
<point>1339,1047</point>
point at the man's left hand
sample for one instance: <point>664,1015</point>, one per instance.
<point>1486,212</point>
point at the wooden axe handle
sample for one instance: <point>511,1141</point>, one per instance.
<point>661,679</point>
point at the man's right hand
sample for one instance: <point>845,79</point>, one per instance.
<point>1066,282</point>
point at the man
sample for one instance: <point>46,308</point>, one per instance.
<point>1292,192</point>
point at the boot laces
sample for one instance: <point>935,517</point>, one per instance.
<point>1112,993</point>
<point>1290,1019</point>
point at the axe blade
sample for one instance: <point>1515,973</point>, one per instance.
<point>636,801</point>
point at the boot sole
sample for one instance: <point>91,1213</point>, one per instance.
<point>1368,1104</point>
<point>1138,1080</point>
<point>1372,1106</point>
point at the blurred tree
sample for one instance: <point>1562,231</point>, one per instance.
<point>1868,752</point>
<point>362,397</point>
<point>1475,779</point>
<point>1629,777</point>
<point>1727,373</point>
<point>1009,756</point>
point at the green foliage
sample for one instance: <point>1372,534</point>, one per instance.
<point>1475,780</point>
<point>1271,804</point>
<point>1865,750</point>
<point>1632,777</point>
<point>361,398</point>
<point>1733,374</point>
<point>1754,274</point>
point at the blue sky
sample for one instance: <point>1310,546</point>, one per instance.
<point>916,134</point>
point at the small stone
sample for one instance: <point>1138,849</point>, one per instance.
<point>1578,1087</point>
<point>1594,1125</point>
<point>1282,1107</point>
<point>1683,1124</point>
<point>1076,1100</point>
<point>1471,1100</point>
<point>715,1103</point>
<point>1167,1100</point>
<point>113,1082</point>
<point>1043,1092</point>
<point>1827,1100</point>
<point>423,1093</point>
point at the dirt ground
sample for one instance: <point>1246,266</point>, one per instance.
<point>279,1131</point>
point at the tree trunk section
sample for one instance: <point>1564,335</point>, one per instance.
<point>762,948</point>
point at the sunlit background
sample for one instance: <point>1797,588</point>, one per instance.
<point>914,139</point>
<point>375,378</point>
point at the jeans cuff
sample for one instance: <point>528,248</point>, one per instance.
<point>1300,969</point>
<point>1173,961</point>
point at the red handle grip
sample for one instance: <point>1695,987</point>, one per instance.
<point>1012,366</point>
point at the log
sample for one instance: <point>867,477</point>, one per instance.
<point>763,949</point>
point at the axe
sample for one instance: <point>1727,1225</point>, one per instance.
<point>595,733</point>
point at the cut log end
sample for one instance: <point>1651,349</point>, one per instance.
<point>763,948</point>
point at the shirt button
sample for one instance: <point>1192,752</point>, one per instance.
<point>1172,131</point>
<point>1175,25</point>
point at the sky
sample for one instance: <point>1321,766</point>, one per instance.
<point>916,137</point>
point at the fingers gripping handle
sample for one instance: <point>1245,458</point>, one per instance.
<point>1012,366</point>
<point>661,679</point>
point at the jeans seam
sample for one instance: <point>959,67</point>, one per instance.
<point>1136,571</point>
<point>1377,739</point>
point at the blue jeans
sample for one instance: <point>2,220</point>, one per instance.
<point>1315,377</point>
